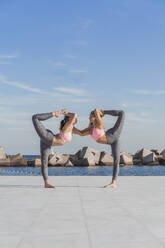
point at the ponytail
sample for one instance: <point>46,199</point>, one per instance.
<point>63,122</point>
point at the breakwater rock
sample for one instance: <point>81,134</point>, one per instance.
<point>88,156</point>
<point>14,160</point>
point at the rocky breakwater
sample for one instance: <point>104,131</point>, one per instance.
<point>88,156</point>
<point>147,157</point>
<point>14,160</point>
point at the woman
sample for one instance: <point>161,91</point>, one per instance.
<point>110,137</point>
<point>48,139</point>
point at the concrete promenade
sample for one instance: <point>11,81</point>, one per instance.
<point>80,213</point>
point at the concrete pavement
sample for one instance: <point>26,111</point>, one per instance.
<point>80,213</point>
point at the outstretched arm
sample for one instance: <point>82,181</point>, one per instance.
<point>83,132</point>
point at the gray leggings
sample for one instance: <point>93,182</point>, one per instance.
<point>113,135</point>
<point>46,139</point>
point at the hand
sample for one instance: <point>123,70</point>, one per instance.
<point>99,111</point>
<point>56,113</point>
<point>102,112</point>
<point>64,111</point>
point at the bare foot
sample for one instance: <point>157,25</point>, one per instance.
<point>60,112</point>
<point>48,185</point>
<point>111,185</point>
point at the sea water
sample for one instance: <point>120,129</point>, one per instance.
<point>135,170</point>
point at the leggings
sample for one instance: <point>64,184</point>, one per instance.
<point>46,139</point>
<point>113,135</point>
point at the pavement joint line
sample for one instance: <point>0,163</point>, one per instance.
<point>135,205</point>
<point>84,215</point>
<point>33,221</point>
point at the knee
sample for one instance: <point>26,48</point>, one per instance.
<point>122,113</point>
<point>34,117</point>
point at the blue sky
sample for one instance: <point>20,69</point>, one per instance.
<point>82,55</point>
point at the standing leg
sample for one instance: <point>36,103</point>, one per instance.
<point>116,156</point>
<point>45,151</point>
<point>113,135</point>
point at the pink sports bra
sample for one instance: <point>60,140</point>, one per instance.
<point>67,137</point>
<point>97,133</point>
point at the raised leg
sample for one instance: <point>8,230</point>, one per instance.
<point>39,127</point>
<point>116,130</point>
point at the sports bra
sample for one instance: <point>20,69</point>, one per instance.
<point>97,133</point>
<point>67,137</point>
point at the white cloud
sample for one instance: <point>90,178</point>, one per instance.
<point>59,63</point>
<point>61,94</point>
<point>124,105</point>
<point>134,104</point>
<point>69,56</point>
<point>148,92</point>
<point>8,56</point>
<point>76,100</point>
<point>5,59</point>
<point>82,100</point>
<point>73,91</point>
<point>79,71</point>
<point>3,80</point>
<point>86,24</point>
<point>80,43</point>
<point>145,114</point>
<point>57,96</point>
<point>56,63</point>
<point>5,63</point>
<point>140,119</point>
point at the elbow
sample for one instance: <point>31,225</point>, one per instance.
<point>96,111</point>
<point>73,116</point>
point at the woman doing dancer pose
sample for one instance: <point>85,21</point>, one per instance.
<point>110,137</point>
<point>48,139</point>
